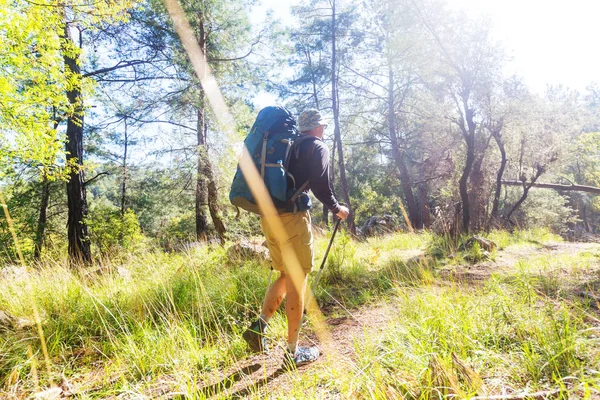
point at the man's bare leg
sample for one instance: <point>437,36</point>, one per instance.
<point>294,307</point>
<point>254,335</point>
<point>273,298</point>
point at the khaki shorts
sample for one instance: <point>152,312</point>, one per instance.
<point>298,227</point>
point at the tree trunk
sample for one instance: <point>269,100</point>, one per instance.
<point>463,185</point>
<point>336,121</point>
<point>201,186</point>
<point>503,161</point>
<point>400,159</point>
<point>463,189</point>
<point>584,219</point>
<point>316,98</point>
<point>478,198</point>
<point>325,216</point>
<point>213,204</point>
<point>343,179</point>
<point>42,220</point>
<point>526,188</point>
<point>201,178</point>
<point>423,199</point>
<point>518,203</point>
<point>124,183</point>
<point>313,79</point>
<point>206,188</point>
<point>213,194</point>
<point>334,217</point>
<point>469,136</point>
<point>555,186</point>
<point>79,245</point>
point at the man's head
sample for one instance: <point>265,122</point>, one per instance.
<point>310,123</point>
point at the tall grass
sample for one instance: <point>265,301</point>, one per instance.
<point>177,318</point>
<point>137,318</point>
<point>451,340</point>
<point>503,336</point>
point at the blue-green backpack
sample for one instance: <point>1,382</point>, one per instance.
<point>271,142</point>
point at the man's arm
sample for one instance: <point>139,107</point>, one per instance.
<point>319,177</point>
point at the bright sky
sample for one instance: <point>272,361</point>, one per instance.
<point>549,41</point>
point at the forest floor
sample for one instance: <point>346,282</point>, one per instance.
<point>394,322</point>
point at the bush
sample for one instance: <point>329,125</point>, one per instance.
<point>545,208</point>
<point>112,233</point>
<point>178,230</point>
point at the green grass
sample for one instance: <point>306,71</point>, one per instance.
<point>452,250</point>
<point>178,318</point>
<point>531,237</point>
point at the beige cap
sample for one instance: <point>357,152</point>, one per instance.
<point>309,120</point>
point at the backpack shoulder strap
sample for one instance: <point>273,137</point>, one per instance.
<point>299,141</point>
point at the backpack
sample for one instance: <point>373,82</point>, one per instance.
<point>271,142</point>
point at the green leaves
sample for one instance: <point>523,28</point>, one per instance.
<point>588,150</point>
<point>31,86</point>
<point>34,81</point>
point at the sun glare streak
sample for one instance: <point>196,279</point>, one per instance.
<point>36,313</point>
<point>257,187</point>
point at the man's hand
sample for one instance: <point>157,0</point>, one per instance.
<point>343,214</point>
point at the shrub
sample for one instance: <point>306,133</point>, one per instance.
<point>178,230</point>
<point>112,233</point>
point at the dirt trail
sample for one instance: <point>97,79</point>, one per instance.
<point>262,374</point>
<point>507,259</point>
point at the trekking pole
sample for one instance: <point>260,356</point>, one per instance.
<point>316,282</point>
<point>318,277</point>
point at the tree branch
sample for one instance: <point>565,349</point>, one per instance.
<point>257,41</point>
<point>119,65</point>
<point>158,121</point>
<point>96,177</point>
<point>365,77</point>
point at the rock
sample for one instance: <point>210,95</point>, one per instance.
<point>379,225</point>
<point>246,249</point>
<point>124,273</point>
<point>11,323</point>
<point>13,273</point>
<point>49,394</point>
<point>484,244</point>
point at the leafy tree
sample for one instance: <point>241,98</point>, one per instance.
<point>36,96</point>
<point>467,71</point>
<point>230,45</point>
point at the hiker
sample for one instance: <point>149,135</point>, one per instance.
<point>311,164</point>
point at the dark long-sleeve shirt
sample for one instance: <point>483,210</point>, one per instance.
<point>312,165</point>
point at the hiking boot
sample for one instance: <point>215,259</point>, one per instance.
<point>255,337</point>
<point>304,355</point>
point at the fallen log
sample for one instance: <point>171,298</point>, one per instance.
<point>555,186</point>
